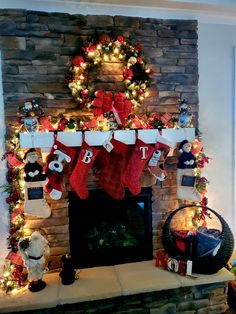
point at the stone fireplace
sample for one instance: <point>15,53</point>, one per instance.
<point>36,49</point>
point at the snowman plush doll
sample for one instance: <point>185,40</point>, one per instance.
<point>186,189</point>
<point>35,203</point>
<point>33,170</point>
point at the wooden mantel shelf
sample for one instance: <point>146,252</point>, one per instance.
<point>96,138</point>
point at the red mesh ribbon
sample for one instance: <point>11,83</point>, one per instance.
<point>118,104</point>
<point>15,258</point>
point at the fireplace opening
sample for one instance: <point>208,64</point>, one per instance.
<point>104,231</point>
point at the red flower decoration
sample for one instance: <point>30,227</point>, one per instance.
<point>62,124</point>
<point>13,197</point>
<point>138,47</point>
<point>128,74</point>
<point>201,162</point>
<point>85,93</point>
<point>90,48</point>
<point>12,231</point>
<point>10,176</point>
<point>204,201</point>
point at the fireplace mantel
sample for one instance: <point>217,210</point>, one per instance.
<point>96,138</point>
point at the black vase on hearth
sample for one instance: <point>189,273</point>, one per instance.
<point>67,273</point>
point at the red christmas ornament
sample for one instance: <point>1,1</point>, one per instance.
<point>120,38</point>
<point>196,147</point>
<point>78,61</point>
<point>139,60</point>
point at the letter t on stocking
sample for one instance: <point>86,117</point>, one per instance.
<point>142,152</point>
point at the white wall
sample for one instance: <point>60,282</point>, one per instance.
<point>4,214</point>
<point>216,92</point>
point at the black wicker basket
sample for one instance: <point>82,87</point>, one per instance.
<point>203,264</point>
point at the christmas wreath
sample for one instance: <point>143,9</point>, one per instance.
<point>136,77</point>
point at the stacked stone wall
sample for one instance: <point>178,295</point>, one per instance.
<point>36,50</point>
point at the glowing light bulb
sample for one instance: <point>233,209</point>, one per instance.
<point>91,54</point>
<point>116,51</point>
<point>105,57</point>
<point>6,273</point>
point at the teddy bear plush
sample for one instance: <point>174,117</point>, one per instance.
<point>34,251</point>
<point>59,156</point>
<point>185,116</point>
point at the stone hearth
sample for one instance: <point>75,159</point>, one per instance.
<point>138,287</point>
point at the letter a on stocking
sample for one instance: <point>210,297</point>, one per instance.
<point>80,173</point>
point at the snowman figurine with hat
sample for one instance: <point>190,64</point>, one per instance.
<point>186,159</point>
<point>186,165</point>
<point>35,179</point>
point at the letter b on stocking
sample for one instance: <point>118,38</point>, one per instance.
<point>87,156</point>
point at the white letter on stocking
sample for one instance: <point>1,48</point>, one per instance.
<point>87,156</point>
<point>144,149</point>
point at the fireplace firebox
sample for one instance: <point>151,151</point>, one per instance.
<point>104,231</point>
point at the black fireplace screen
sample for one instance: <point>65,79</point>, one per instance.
<point>104,231</point>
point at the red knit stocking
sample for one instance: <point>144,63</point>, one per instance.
<point>140,155</point>
<point>110,167</point>
<point>79,175</point>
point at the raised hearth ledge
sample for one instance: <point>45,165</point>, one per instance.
<point>103,283</point>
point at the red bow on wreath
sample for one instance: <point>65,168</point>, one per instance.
<point>119,105</point>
